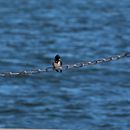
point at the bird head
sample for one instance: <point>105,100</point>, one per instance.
<point>57,58</point>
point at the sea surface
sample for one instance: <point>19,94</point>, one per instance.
<point>32,32</point>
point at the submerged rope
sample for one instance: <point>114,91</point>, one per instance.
<point>65,67</point>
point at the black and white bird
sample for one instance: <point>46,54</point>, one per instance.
<point>57,64</point>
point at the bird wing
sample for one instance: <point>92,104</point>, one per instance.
<point>53,64</point>
<point>61,63</point>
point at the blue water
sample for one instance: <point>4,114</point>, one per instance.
<point>32,32</point>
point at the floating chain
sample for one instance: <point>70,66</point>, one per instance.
<point>65,67</point>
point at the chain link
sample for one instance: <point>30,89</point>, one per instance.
<point>98,61</point>
<point>65,67</point>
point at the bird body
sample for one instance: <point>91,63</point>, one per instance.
<point>57,64</point>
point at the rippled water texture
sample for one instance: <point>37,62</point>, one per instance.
<point>32,32</point>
